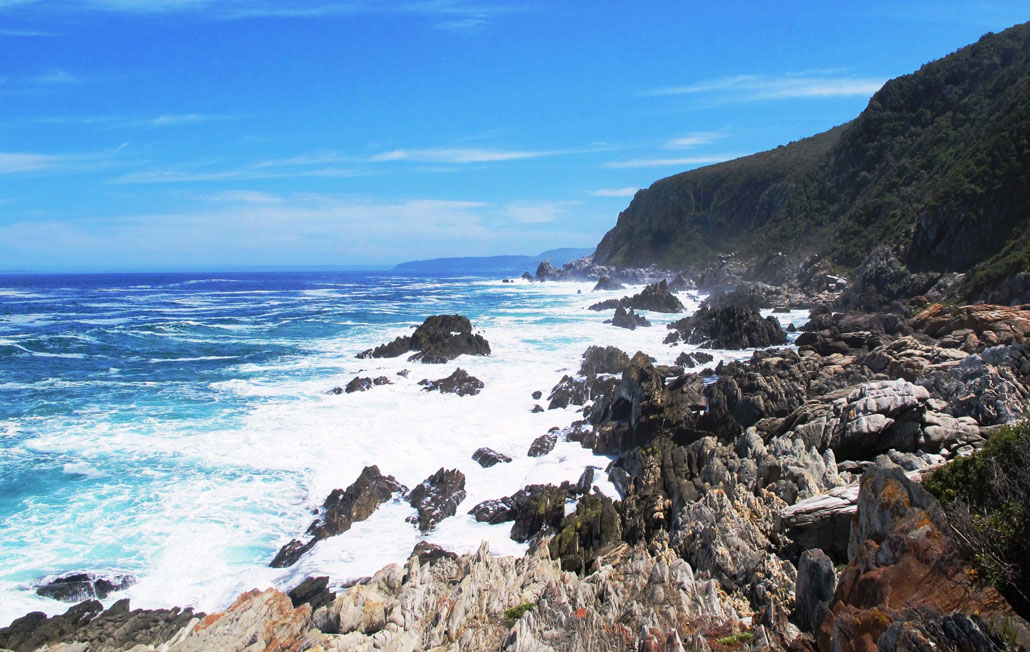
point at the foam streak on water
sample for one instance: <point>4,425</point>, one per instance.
<point>178,427</point>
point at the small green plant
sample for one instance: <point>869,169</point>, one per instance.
<point>737,638</point>
<point>511,614</point>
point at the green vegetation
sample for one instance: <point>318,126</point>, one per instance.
<point>511,614</point>
<point>737,638</point>
<point>986,498</point>
<point>938,163</point>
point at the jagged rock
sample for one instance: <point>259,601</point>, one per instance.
<point>681,283</point>
<point>537,395</point>
<point>628,319</point>
<point>437,497</point>
<point>460,382</point>
<point>537,409</point>
<point>460,603</point>
<point>817,580</point>
<point>542,445</point>
<point>488,457</point>
<point>75,587</point>
<point>586,481</point>
<point>605,283</point>
<point>257,620</point>
<point>341,509</point>
<point>882,279</point>
<point>440,339</point>
<point>545,270</point>
<point>313,591</point>
<point>655,297</point>
<point>603,360</point>
<point>729,323</point>
<point>87,623</point>
<point>358,384</point>
<point>992,387</point>
<point>898,535</point>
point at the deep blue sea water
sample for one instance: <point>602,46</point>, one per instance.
<point>177,427</point>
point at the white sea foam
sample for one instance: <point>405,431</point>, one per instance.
<point>196,508</point>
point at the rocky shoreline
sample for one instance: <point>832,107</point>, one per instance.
<point>773,503</point>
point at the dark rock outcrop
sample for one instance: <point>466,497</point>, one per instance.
<point>341,509</point>
<point>89,624</point>
<point>542,445</point>
<point>817,580</point>
<point>460,382</point>
<point>488,457</point>
<point>437,497</point>
<point>729,326</point>
<point>429,552</point>
<point>603,360</point>
<point>586,533</point>
<point>75,587</point>
<point>440,339</point>
<point>655,297</point>
<point>628,319</point>
<point>605,283</point>
<point>313,591</point>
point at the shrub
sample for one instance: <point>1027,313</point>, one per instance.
<point>986,498</point>
<point>511,614</point>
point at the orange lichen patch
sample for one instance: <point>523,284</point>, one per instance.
<point>214,618</point>
<point>581,612</point>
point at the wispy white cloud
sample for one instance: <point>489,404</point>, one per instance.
<point>536,211</point>
<point>22,33</point>
<point>752,88</point>
<point>695,139</point>
<point>457,155</point>
<point>668,162</point>
<point>461,16</point>
<point>235,174</point>
<point>116,122</point>
<point>31,162</point>
<point>14,162</point>
<point>57,77</point>
<point>628,191</point>
<point>242,197</point>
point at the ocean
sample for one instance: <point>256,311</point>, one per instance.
<point>179,427</point>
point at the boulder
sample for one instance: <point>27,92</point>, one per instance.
<point>542,445</point>
<point>992,325</point>
<point>429,552</point>
<point>437,497</point>
<point>488,457</point>
<point>358,384</point>
<point>605,283</point>
<point>628,319</point>
<point>817,580</point>
<point>460,382</point>
<point>656,298</point>
<point>603,360</point>
<point>584,534</point>
<point>440,339</point>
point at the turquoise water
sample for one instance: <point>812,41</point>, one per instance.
<point>178,428</point>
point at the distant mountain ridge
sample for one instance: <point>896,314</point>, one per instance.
<point>503,265</point>
<point>937,165</point>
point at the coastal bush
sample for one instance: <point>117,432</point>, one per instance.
<point>511,614</point>
<point>986,498</point>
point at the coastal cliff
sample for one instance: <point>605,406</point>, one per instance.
<point>937,166</point>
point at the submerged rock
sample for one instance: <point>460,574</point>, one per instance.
<point>75,587</point>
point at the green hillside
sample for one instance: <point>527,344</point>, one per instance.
<point>937,164</point>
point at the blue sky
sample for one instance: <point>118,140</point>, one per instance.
<point>164,134</point>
